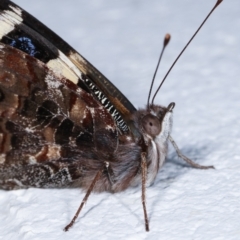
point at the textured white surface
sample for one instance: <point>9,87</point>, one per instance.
<point>123,40</point>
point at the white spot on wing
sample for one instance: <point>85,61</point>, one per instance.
<point>52,82</point>
<point>70,64</point>
<point>54,152</point>
<point>29,130</point>
<point>17,10</point>
<point>8,20</point>
<point>32,160</point>
<point>61,69</point>
<point>64,67</point>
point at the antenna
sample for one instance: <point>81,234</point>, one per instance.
<point>165,43</point>
<point>215,6</point>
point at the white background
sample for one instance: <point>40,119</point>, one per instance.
<point>123,40</point>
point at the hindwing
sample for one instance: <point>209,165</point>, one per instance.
<point>48,120</point>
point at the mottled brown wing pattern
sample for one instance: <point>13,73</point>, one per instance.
<point>21,30</point>
<point>51,130</point>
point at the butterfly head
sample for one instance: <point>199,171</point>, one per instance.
<point>156,121</point>
<point>155,125</point>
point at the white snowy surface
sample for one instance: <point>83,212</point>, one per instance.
<point>123,40</point>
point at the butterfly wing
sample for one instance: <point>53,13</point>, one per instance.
<point>49,127</point>
<point>23,31</point>
<point>61,119</point>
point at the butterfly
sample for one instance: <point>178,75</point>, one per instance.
<point>64,124</point>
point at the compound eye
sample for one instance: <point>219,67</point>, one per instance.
<point>151,125</point>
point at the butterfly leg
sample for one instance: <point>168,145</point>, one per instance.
<point>96,178</point>
<point>186,159</point>
<point>108,173</point>
<point>144,178</point>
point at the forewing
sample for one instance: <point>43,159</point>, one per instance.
<point>23,31</point>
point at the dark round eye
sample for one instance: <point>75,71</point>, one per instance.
<point>151,125</point>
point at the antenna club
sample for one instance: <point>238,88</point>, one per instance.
<point>218,2</point>
<point>166,39</point>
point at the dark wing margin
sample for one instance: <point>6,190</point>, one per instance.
<point>51,46</point>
